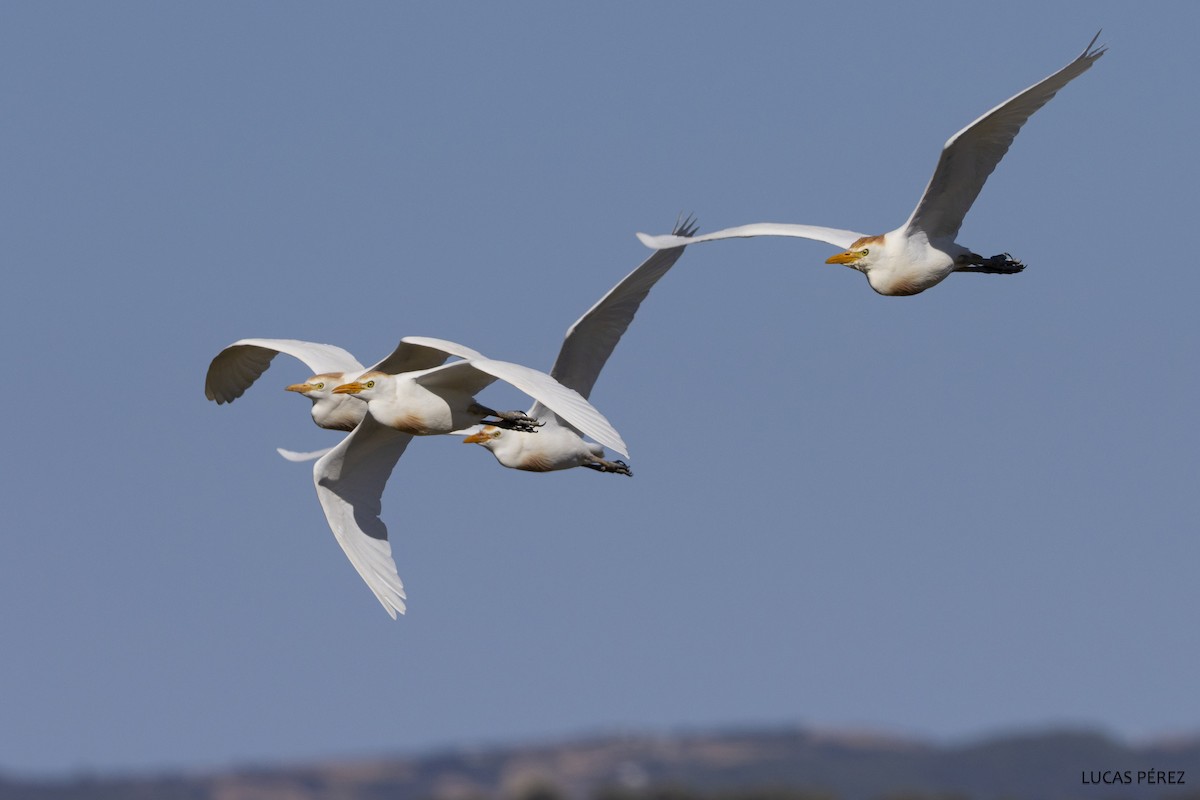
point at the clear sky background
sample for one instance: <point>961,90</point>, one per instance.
<point>946,515</point>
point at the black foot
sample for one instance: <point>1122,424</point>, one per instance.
<point>1003,264</point>
<point>509,420</point>
<point>615,467</point>
<point>516,421</point>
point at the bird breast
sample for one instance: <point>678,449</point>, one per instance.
<point>550,449</point>
<point>903,284</point>
<point>338,413</point>
<point>416,410</point>
<point>908,267</point>
<point>537,462</point>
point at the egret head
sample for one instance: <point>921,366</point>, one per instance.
<point>861,255</point>
<point>366,387</point>
<point>485,436</point>
<point>318,386</point>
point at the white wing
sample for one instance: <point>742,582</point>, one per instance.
<point>834,236</point>
<point>292,455</point>
<point>443,345</point>
<point>472,376</point>
<point>415,353</point>
<point>350,480</point>
<point>592,339</point>
<point>238,366</point>
<point>970,155</point>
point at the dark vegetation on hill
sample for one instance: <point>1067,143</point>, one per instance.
<point>771,765</point>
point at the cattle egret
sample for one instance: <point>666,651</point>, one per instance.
<point>351,477</point>
<point>922,251</point>
<point>585,350</point>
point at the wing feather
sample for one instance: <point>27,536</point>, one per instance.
<point>457,376</point>
<point>834,236</point>
<point>238,366</point>
<point>292,455</point>
<point>350,480</point>
<point>590,341</point>
<point>415,353</point>
<point>472,376</point>
<point>970,155</point>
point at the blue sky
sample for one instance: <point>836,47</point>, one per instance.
<point>945,515</point>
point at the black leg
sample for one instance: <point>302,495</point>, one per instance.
<point>1003,264</point>
<point>615,467</point>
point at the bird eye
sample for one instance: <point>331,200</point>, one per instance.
<point>864,251</point>
<point>370,384</point>
<point>321,385</point>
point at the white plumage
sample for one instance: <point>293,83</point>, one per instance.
<point>922,252</point>
<point>413,393</point>
<point>585,350</point>
<point>350,478</point>
<point>236,368</point>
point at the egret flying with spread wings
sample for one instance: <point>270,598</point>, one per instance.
<point>585,350</point>
<point>238,366</point>
<point>351,477</point>
<point>922,251</point>
<point>414,396</point>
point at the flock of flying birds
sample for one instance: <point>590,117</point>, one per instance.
<point>414,392</point>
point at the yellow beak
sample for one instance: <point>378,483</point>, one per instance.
<point>476,438</point>
<point>349,388</point>
<point>299,387</point>
<point>847,257</point>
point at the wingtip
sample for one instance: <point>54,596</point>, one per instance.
<point>299,457</point>
<point>686,226</point>
<point>664,242</point>
<point>624,448</point>
<point>647,240</point>
<point>681,233</point>
<point>394,606</point>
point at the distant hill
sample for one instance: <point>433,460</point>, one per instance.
<point>744,765</point>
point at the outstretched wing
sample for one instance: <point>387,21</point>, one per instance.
<point>834,236</point>
<point>293,455</point>
<point>415,353</point>
<point>238,366</point>
<point>970,155</point>
<point>350,479</point>
<point>592,339</point>
<point>473,375</point>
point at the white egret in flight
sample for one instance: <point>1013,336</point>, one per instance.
<point>585,350</point>
<point>351,477</point>
<point>414,396</point>
<point>238,366</point>
<point>922,251</point>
